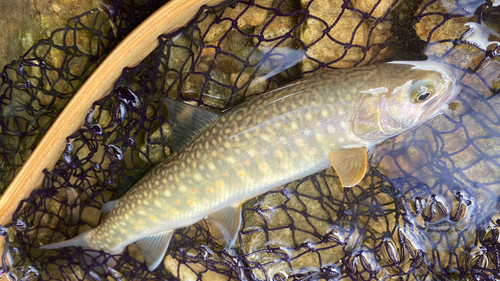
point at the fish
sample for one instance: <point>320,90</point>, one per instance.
<point>332,118</point>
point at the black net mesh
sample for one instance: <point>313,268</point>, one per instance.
<point>36,87</point>
<point>428,209</point>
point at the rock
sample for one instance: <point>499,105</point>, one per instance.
<point>178,54</point>
<point>440,40</point>
<point>25,22</point>
<point>383,6</point>
<point>346,44</point>
<point>328,51</point>
<point>192,271</point>
<point>240,80</point>
<point>215,29</point>
<point>249,15</point>
<point>276,27</point>
<point>216,91</point>
<point>155,148</point>
<point>245,15</point>
<point>291,225</point>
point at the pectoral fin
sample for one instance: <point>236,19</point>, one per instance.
<point>154,247</point>
<point>225,223</point>
<point>350,164</point>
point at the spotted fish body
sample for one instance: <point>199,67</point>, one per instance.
<point>268,141</point>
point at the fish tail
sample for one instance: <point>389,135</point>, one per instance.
<point>100,262</point>
<point>77,241</point>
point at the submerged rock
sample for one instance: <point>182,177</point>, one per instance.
<point>25,22</point>
<point>350,39</point>
<point>444,35</point>
<point>376,8</point>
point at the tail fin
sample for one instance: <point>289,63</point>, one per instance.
<point>97,260</point>
<point>77,241</point>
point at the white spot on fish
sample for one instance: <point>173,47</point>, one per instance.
<point>308,116</point>
<point>197,177</point>
<point>252,152</point>
<point>157,203</point>
<point>230,160</point>
<point>265,138</point>
<point>211,166</point>
<point>167,193</point>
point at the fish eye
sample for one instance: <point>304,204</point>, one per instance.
<point>422,90</point>
<point>423,96</point>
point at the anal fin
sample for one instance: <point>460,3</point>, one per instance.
<point>350,165</point>
<point>225,224</point>
<point>154,247</point>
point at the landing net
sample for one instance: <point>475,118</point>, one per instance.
<point>427,210</point>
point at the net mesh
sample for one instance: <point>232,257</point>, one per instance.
<point>36,87</point>
<point>427,210</point>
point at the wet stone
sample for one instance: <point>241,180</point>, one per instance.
<point>381,9</point>
<point>345,51</point>
<point>293,224</point>
<point>215,30</point>
<point>249,15</point>
<point>25,22</point>
<point>178,53</point>
<point>155,147</point>
<point>191,271</point>
<point>276,27</point>
<point>447,31</point>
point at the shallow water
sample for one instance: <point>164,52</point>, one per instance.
<point>427,210</point>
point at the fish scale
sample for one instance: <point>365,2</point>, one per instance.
<point>268,141</point>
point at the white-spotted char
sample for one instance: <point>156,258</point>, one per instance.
<point>331,118</point>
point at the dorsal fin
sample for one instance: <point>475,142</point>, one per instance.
<point>187,121</point>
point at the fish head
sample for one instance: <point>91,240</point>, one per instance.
<point>423,92</point>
